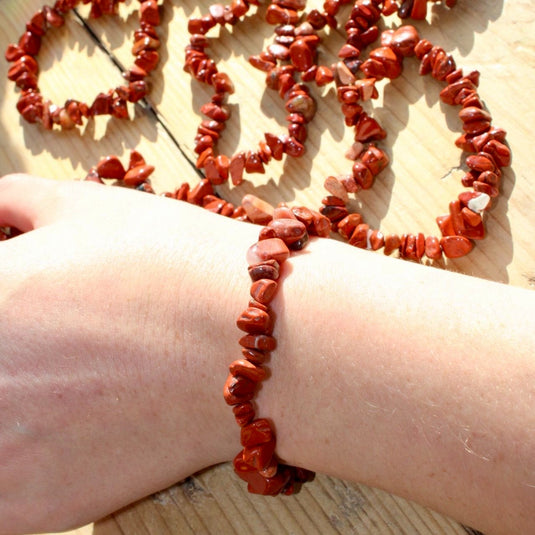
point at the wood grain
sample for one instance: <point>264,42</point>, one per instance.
<point>496,37</point>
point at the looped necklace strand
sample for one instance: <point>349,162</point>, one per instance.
<point>293,53</point>
<point>295,44</point>
<point>24,70</point>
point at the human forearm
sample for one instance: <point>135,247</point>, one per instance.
<point>411,379</point>
<point>387,373</point>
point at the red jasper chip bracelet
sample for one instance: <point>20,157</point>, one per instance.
<point>257,463</point>
<point>24,70</point>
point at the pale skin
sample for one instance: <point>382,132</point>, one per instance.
<point>117,321</point>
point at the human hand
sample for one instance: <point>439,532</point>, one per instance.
<point>107,389</point>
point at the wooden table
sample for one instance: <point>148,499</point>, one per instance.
<point>82,58</point>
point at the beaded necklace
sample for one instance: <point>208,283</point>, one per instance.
<point>293,54</point>
<point>24,70</point>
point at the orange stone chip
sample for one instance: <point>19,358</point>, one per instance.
<point>456,246</point>
<point>270,249</point>
<point>263,290</point>
<point>254,321</point>
<point>257,210</point>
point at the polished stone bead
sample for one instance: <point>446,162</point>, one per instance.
<point>260,342</point>
<point>419,9</point>
<point>288,230</point>
<point>149,13</point>
<point>263,290</point>
<point>257,304</point>
<point>422,47</point>
<point>368,129</point>
<point>147,60</point>
<point>136,159</point>
<point>477,202</point>
<point>254,163</point>
<point>102,104</point>
<point>264,270</point>
<point>388,59</point>
<point>259,456</point>
<point>404,39</point>
<point>137,90</point>
<point>376,240</point>
<point>348,224</point>
<point>222,83</point>
<point>144,42</point>
<point>30,43</point>
<point>198,192</point>
<point>499,151</point>
<point>53,17</point>
<point>333,213</point>
<point>276,144</point>
<point>111,167</point>
<point>373,68</point>
<point>217,169</point>
<point>215,112</point>
<point>247,369</point>
<point>13,52</point>
<point>119,108</point>
<point>25,64</point>
<point>257,210</point>
<point>323,76</point>
<point>282,211</point>
<point>335,187</point>
<point>303,104</point>
<point>255,355</point>
<point>367,89</point>
<point>137,175</point>
<point>392,243</point>
<point>270,249</point>
<point>442,64</point>
<point>349,183</point>
<point>472,113</point>
<point>471,218</point>
<point>480,162</point>
<point>254,321</point>
<point>243,413</point>
<point>301,55</point>
<point>256,483</point>
<point>321,225</point>
<point>343,74</point>
<point>271,469</point>
<point>456,218</point>
<point>257,432</point>
<point>375,159</point>
<point>433,250</point>
<point>278,15</point>
<point>181,193</point>
<point>456,246</point>
<point>359,237</point>
<point>238,389</point>
<point>237,168</point>
<point>362,175</point>
<point>449,95</point>
<point>412,246</point>
<point>483,187</point>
